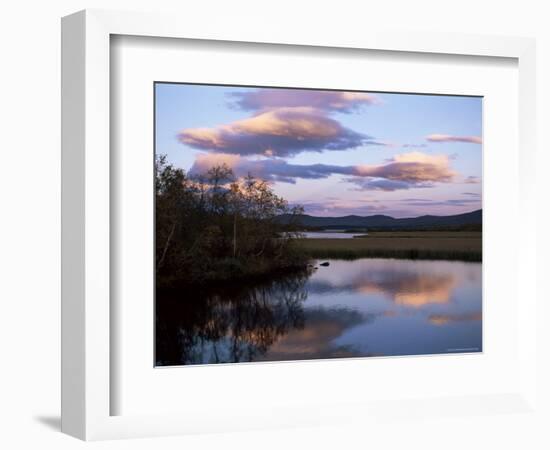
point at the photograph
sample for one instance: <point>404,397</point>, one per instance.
<point>296,223</point>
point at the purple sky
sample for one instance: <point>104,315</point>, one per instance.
<point>334,152</point>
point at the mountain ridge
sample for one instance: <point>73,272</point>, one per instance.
<point>473,218</point>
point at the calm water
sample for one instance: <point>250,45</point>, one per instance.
<point>366,307</point>
<point>330,235</point>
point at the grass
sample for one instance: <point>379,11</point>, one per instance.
<point>449,245</point>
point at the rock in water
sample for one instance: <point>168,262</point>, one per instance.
<point>325,264</point>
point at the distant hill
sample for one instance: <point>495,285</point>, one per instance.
<point>386,222</point>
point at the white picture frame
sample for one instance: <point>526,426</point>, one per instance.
<point>86,220</point>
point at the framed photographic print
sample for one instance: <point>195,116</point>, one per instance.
<point>295,224</point>
<point>267,229</point>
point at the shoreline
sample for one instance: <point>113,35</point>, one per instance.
<point>429,245</point>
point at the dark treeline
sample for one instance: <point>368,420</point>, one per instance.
<point>214,227</point>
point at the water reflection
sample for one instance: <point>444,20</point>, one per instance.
<point>444,319</point>
<point>227,324</point>
<point>331,234</point>
<point>317,340</point>
<point>350,308</point>
<point>411,283</point>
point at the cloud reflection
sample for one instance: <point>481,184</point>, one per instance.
<point>409,286</point>
<point>316,339</point>
<point>444,319</point>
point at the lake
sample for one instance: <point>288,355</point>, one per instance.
<point>331,235</point>
<point>359,308</point>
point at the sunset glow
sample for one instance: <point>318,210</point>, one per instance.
<point>336,153</point>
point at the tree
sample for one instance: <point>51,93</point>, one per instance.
<point>214,226</point>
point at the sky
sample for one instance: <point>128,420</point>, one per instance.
<point>335,153</point>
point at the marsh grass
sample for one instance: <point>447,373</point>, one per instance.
<point>413,245</point>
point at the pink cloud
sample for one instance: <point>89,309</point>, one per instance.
<point>411,167</point>
<point>450,138</point>
<point>342,206</point>
<point>404,171</point>
<point>269,169</point>
<point>472,180</point>
<point>263,99</point>
<point>383,184</point>
<point>277,132</point>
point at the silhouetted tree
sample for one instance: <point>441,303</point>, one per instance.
<point>213,226</point>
